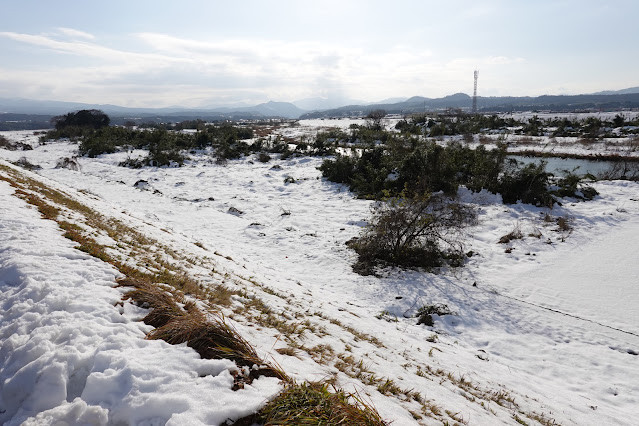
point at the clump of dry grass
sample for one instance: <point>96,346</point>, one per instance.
<point>164,305</point>
<point>515,234</point>
<point>288,351</point>
<point>563,224</point>
<point>313,404</point>
<point>210,335</point>
<point>211,339</point>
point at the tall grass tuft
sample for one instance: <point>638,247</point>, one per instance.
<point>313,404</point>
<point>163,304</point>
<point>209,334</point>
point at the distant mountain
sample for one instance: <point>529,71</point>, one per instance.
<point>225,105</point>
<point>559,103</point>
<point>319,104</point>
<point>627,91</point>
<point>462,101</point>
<point>389,101</point>
<point>626,98</point>
<point>265,110</point>
<point>280,109</point>
<point>268,109</point>
<point>29,106</point>
<point>411,105</point>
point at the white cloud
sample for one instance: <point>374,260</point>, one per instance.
<point>80,48</point>
<point>185,71</point>
<point>75,33</point>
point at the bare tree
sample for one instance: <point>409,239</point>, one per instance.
<point>375,116</point>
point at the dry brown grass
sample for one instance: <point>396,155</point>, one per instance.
<point>563,224</point>
<point>358,335</point>
<point>85,244</point>
<point>288,351</point>
<point>314,404</point>
<point>164,305</point>
<point>209,334</point>
<point>47,210</point>
<point>515,234</point>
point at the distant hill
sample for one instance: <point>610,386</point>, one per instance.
<point>619,92</point>
<point>607,100</point>
<point>559,103</point>
<point>268,109</point>
<point>320,104</point>
<point>11,121</point>
<point>462,101</point>
<point>30,106</point>
<point>389,101</point>
<point>265,110</point>
<point>411,105</point>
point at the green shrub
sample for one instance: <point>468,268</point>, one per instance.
<point>86,118</point>
<point>529,184</point>
<point>417,231</point>
<point>409,127</point>
<point>263,157</point>
<point>428,168</point>
<point>480,168</point>
<point>407,164</point>
<point>325,142</point>
<point>573,185</point>
<point>69,132</point>
<point>425,313</point>
<point>165,158</point>
<point>370,177</point>
<point>74,125</point>
<point>107,141</point>
<point>341,169</point>
<point>164,145</point>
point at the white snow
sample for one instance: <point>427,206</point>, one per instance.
<point>555,322</point>
<point>69,354</point>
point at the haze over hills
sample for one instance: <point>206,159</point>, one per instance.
<point>319,103</point>
<point>268,109</point>
<point>607,100</point>
<point>619,92</point>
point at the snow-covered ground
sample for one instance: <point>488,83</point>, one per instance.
<point>553,321</point>
<point>70,355</point>
<point>626,146</point>
<point>544,115</point>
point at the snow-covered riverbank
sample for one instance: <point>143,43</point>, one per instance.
<point>553,322</point>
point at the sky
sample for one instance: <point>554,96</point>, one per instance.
<point>207,53</point>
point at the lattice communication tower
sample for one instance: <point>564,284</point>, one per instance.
<point>475,92</point>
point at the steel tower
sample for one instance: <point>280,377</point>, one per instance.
<point>475,92</point>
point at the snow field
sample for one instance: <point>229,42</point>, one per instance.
<point>538,325</point>
<point>69,354</point>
